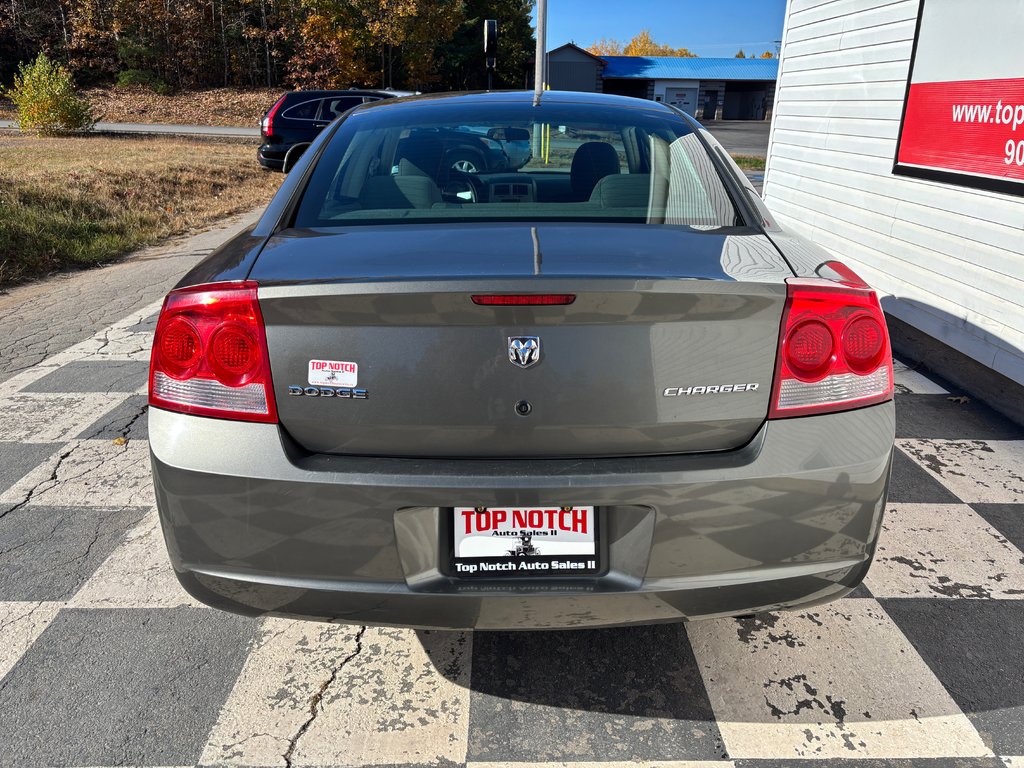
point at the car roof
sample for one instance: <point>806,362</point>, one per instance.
<point>319,94</point>
<point>467,98</point>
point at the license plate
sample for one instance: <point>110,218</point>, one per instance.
<point>501,542</point>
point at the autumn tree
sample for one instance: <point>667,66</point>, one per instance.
<point>181,44</point>
<point>642,44</point>
<point>740,54</point>
<point>606,46</point>
<point>411,28</point>
<point>767,55</point>
<point>327,55</point>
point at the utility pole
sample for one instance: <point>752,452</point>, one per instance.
<point>540,68</point>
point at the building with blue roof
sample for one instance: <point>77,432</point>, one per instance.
<point>708,89</point>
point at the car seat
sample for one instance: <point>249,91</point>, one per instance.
<point>421,156</point>
<point>592,162</point>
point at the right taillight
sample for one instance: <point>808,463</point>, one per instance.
<point>834,351</point>
<point>267,125</point>
<point>210,354</point>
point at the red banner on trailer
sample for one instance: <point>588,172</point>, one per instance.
<point>963,119</point>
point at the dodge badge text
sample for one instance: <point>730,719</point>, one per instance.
<point>342,392</point>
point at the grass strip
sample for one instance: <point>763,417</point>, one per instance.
<point>77,202</point>
<point>749,162</point>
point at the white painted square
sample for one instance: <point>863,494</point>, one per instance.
<point>20,625</point>
<point>976,471</point>
<point>137,574</point>
<point>396,706</point>
<point>91,473</point>
<point>270,702</point>
<point>120,344</point>
<point>944,550</point>
<point>31,417</point>
<point>918,383</point>
<point>388,703</point>
<point>840,681</point>
<point>609,764</point>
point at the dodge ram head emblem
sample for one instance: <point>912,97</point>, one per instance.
<point>523,351</point>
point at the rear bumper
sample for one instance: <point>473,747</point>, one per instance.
<point>272,155</point>
<point>255,525</point>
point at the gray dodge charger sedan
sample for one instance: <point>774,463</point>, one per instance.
<point>604,388</point>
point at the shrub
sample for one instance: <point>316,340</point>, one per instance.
<point>44,95</point>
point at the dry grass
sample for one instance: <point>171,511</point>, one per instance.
<point>136,104</point>
<point>74,202</point>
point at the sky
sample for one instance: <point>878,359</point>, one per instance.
<point>707,27</point>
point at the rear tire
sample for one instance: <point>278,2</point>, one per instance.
<point>465,162</point>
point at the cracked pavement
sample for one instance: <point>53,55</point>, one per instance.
<point>106,661</point>
<point>40,319</point>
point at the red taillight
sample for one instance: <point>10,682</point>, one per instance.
<point>180,347</point>
<point>863,343</point>
<point>524,299</point>
<point>268,122</point>
<point>809,348</point>
<point>834,351</point>
<point>210,354</point>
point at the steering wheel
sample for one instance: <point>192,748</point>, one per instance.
<point>460,184</point>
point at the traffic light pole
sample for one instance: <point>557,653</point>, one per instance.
<point>490,49</point>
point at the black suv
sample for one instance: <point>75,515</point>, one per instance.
<point>297,118</point>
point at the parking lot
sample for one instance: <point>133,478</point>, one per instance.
<point>105,661</point>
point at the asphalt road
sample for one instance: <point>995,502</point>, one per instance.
<point>165,130</point>
<point>105,661</point>
<point>739,137</point>
<point>742,137</point>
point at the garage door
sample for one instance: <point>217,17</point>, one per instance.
<point>683,98</point>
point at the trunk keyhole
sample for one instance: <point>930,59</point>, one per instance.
<point>523,408</point>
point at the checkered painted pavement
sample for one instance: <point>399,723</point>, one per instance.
<point>105,661</point>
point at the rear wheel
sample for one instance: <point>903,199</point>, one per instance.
<point>465,162</point>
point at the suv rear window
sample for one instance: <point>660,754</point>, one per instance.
<point>338,105</point>
<point>512,161</point>
<point>304,111</point>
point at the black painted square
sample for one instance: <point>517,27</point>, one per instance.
<point>1008,519</point>
<point>122,687</point>
<point>127,420</point>
<point>18,459</point>
<point>890,762</point>
<point>94,376</point>
<point>48,553</point>
<point>911,484</point>
<point>567,696</point>
<point>941,418</point>
<point>976,650</point>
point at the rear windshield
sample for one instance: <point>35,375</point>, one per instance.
<point>504,161</point>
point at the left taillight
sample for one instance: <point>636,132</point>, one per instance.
<point>267,124</point>
<point>834,352</point>
<point>210,354</point>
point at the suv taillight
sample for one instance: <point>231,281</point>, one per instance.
<point>834,351</point>
<point>210,354</point>
<point>267,125</point>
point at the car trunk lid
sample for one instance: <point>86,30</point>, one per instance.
<point>668,345</point>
